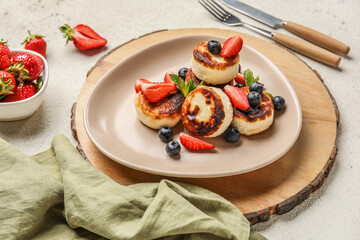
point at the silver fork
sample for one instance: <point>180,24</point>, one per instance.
<point>300,46</point>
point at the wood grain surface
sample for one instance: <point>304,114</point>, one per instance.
<point>274,189</point>
<point>318,38</point>
<point>308,49</point>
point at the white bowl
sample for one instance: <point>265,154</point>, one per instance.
<point>10,111</point>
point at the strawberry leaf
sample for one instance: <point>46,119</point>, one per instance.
<point>6,87</point>
<point>31,37</point>
<point>68,32</point>
<point>39,82</point>
<point>19,72</point>
<point>2,41</point>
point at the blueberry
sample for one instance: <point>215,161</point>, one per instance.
<point>257,87</point>
<point>254,99</point>
<point>239,68</point>
<point>232,135</point>
<point>239,85</point>
<point>279,103</point>
<point>173,148</point>
<point>182,72</point>
<point>214,47</point>
<point>165,134</point>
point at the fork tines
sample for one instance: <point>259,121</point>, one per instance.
<point>215,9</point>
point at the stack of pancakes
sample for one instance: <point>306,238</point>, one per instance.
<point>207,111</point>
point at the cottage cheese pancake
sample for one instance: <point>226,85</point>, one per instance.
<point>207,112</point>
<point>166,112</point>
<point>213,68</point>
<point>190,75</point>
<point>256,120</point>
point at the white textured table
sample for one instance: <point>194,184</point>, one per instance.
<point>333,212</point>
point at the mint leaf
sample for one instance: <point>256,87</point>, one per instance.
<point>200,84</point>
<point>185,88</point>
<point>249,77</point>
<point>191,85</point>
<point>270,95</point>
<point>180,83</point>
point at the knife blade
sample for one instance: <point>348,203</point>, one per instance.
<point>309,34</point>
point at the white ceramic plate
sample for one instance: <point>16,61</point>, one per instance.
<point>112,125</point>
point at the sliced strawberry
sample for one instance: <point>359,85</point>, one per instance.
<point>232,46</point>
<point>88,43</point>
<point>87,31</point>
<point>138,84</point>
<point>156,91</point>
<point>167,78</point>
<point>194,143</point>
<point>83,36</point>
<point>240,79</point>
<point>238,97</point>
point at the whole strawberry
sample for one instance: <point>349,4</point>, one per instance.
<point>25,66</point>
<point>29,89</point>
<point>7,84</point>
<point>35,42</point>
<point>4,55</point>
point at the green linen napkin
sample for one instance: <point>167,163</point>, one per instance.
<point>58,195</point>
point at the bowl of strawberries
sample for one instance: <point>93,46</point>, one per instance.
<point>23,81</point>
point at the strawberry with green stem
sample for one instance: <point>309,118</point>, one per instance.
<point>7,84</point>
<point>35,42</point>
<point>27,90</point>
<point>83,36</point>
<point>26,67</point>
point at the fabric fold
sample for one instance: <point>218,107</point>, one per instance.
<point>58,195</point>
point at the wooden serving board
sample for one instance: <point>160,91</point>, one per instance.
<point>274,189</point>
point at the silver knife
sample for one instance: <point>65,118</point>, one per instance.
<point>309,34</point>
